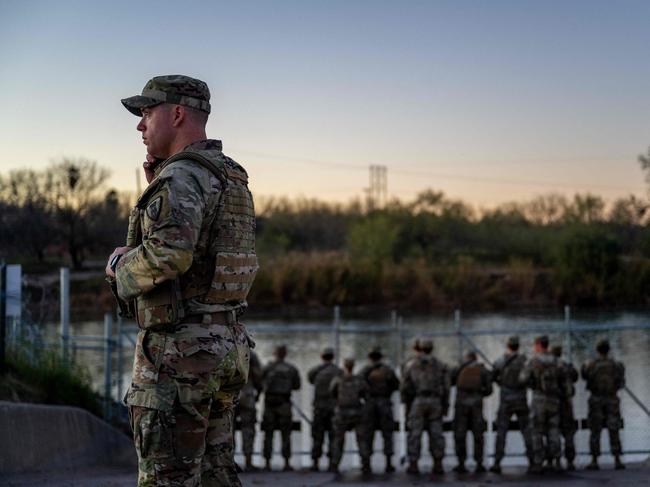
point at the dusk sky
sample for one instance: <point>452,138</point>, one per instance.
<point>489,101</point>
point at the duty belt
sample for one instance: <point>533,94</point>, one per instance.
<point>225,318</point>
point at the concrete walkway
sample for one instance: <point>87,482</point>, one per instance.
<point>635,475</point>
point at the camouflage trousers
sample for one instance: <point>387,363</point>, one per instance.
<point>181,404</point>
<point>425,415</point>
<point>247,418</point>
<point>508,408</point>
<point>378,413</point>
<point>469,417</point>
<point>321,426</point>
<point>545,429</point>
<point>604,412</point>
<point>277,416</point>
<point>568,428</point>
<point>344,422</point>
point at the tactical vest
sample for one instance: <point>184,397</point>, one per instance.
<point>469,378</point>
<point>511,370</point>
<point>547,377</point>
<point>224,263</point>
<point>323,381</point>
<point>349,393</point>
<point>426,377</point>
<point>279,379</point>
<point>604,377</point>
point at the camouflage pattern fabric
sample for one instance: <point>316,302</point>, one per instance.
<point>245,410</point>
<point>426,383</point>
<point>473,382</point>
<point>349,393</point>
<point>543,374</point>
<point>378,413</point>
<point>568,425</point>
<point>512,402</point>
<point>323,412</point>
<point>604,377</point>
<point>181,403</point>
<point>279,379</point>
<point>176,89</point>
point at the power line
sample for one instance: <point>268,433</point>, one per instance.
<point>443,175</point>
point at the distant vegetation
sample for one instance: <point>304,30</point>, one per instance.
<point>429,253</point>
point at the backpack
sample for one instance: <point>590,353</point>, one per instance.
<point>324,379</point>
<point>349,393</point>
<point>511,370</point>
<point>278,379</point>
<point>604,379</point>
<point>548,377</point>
<point>469,378</point>
<point>426,376</point>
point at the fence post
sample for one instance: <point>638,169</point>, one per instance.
<point>569,338</point>
<point>108,363</point>
<point>65,312</point>
<point>458,333</point>
<point>337,334</point>
<point>120,358</point>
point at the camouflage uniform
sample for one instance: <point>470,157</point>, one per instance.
<point>473,382</point>
<point>543,374</point>
<point>512,401</point>
<point>245,410</point>
<point>378,413</point>
<point>605,377</point>
<point>321,376</point>
<point>280,378</point>
<point>350,393</point>
<point>192,355</point>
<point>426,384</point>
<point>568,424</point>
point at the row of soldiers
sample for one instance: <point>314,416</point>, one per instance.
<point>345,400</point>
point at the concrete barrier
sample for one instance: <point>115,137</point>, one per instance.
<point>36,437</point>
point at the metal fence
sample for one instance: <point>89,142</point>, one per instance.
<point>112,350</point>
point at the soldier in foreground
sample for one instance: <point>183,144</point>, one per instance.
<point>605,377</point>
<point>512,400</point>
<point>246,411</point>
<point>568,424</point>
<point>544,376</point>
<point>279,379</point>
<point>350,393</point>
<point>473,382</point>
<point>382,382</point>
<point>408,400</point>
<point>321,377</point>
<point>184,275</point>
<point>426,386</point>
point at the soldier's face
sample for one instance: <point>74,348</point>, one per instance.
<point>156,126</point>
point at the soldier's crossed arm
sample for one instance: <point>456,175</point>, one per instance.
<point>172,220</point>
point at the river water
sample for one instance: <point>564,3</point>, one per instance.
<point>628,332</point>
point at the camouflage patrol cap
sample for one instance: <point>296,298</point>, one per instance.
<point>172,88</point>
<point>327,352</point>
<point>426,345</point>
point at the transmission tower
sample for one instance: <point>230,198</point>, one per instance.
<point>377,193</point>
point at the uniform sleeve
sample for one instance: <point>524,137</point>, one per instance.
<point>621,369</point>
<point>487,382</point>
<point>171,223</point>
<point>313,372</point>
<point>584,371</point>
<point>496,372</point>
<point>334,388</point>
<point>295,384</point>
<point>453,376</point>
<point>525,375</point>
<point>393,381</point>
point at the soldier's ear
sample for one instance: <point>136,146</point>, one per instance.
<point>178,115</point>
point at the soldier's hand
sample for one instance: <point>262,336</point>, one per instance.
<point>149,166</point>
<point>116,252</point>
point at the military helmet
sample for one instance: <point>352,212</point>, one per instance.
<point>327,353</point>
<point>426,345</point>
<point>280,350</point>
<point>513,341</point>
<point>375,352</point>
<point>173,88</point>
<point>602,346</point>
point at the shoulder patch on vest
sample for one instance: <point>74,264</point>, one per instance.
<point>153,210</point>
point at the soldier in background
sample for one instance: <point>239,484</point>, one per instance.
<point>568,425</point>
<point>382,382</point>
<point>279,378</point>
<point>321,377</point>
<point>473,382</point>
<point>350,393</point>
<point>426,386</point>
<point>407,400</point>
<point>543,374</point>
<point>246,411</point>
<point>512,400</point>
<point>605,377</point>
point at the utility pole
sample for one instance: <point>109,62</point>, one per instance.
<point>377,192</point>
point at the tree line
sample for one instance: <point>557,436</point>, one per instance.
<point>426,253</point>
